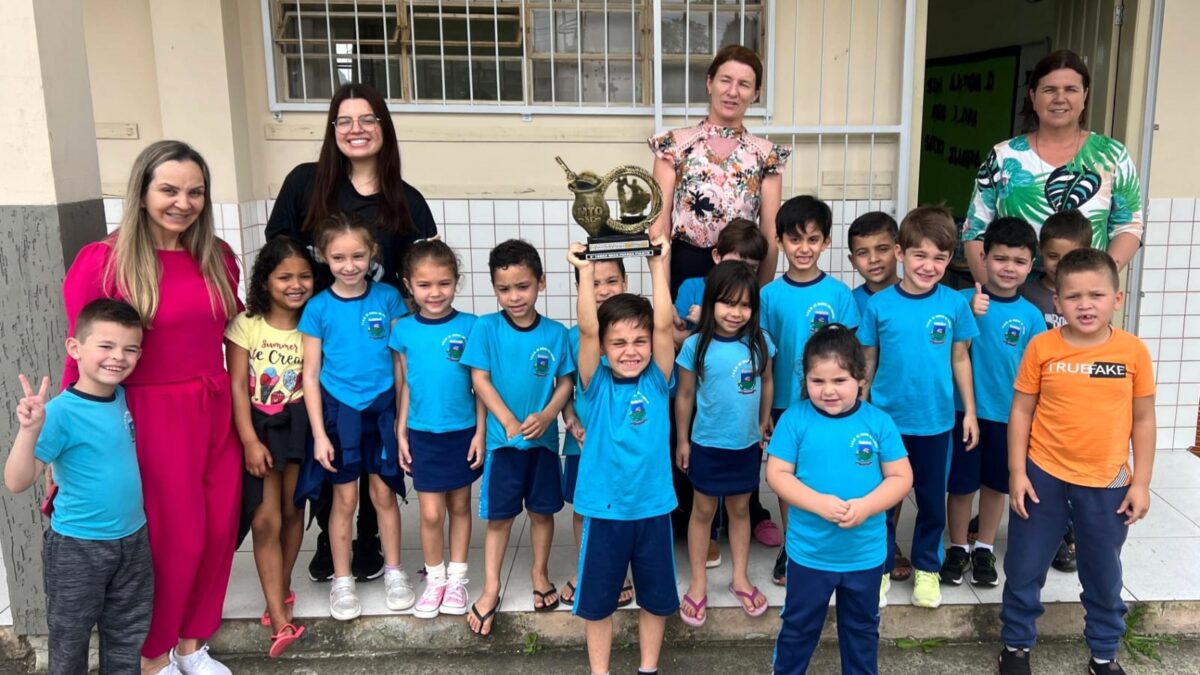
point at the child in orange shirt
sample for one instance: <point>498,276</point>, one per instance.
<point>1063,464</point>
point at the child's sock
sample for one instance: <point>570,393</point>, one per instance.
<point>457,570</point>
<point>981,545</point>
<point>962,546</point>
<point>393,568</point>
<point>645,671</point>
<point>435,574</point>
<point>1015,649</point>
<point>1100,662</point>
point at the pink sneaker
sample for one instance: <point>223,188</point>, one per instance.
<point>455,600</point>
<point>767,533</point>
<point>431,600</point>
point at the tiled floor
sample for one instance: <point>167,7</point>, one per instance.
<point>1171,532</point>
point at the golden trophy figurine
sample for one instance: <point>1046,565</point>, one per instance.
<point>624,236</point>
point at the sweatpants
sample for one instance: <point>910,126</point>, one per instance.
<point>191,466</point>
<point>804,611</point>
<point>104,584</point>
<point>1032,544</point>
<point>930,460</point>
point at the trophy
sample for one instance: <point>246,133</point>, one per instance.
<point>623,237</point>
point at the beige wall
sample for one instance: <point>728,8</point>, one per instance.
<point>459,155</point>
<point>1173,163</point>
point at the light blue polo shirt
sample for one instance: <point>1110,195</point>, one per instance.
<point>440,398</point>
<point>1004,332</point>
<point>729,394</point>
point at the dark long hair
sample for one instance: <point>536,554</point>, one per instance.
<point>1056,60</point>
<point>393,214</point>
<point>274,252</point>
<point>726,283</point>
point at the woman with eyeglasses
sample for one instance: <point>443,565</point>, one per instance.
<point>358,170</point>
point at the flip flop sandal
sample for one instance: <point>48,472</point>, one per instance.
<point>281,640</point>
<point>563,597</point>
<point>627,588</point>
<point>289,600</point>
<point>901,563</point>
<point>696,620</point>
<point>483,619</point>
<point>542,596</point>
<point>752,596</point>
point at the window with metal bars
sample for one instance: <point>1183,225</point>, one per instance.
<point>583,54</point>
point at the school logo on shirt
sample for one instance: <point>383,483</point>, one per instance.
<point>376,324</point>
<point>129,426</point>
<point>1013,330</point>
<point>819,315</point>
<point>938,326</point>
<point>865,447</point>
<point>747,379</point>
<point>637,409</point>
<point>541,358</point>
<point>454,344</point>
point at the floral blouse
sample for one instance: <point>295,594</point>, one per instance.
<point>1101,181</point>
<point>709,192</point>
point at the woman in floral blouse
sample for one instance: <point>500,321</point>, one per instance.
<point>716,171</point>
<point>1056,166</point>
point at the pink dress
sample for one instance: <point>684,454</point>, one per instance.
<point>188,452</point>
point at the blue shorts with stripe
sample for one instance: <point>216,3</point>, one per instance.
<point>609,548</point>
<point>516,480</point>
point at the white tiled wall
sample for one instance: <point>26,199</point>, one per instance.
<point>1169,315</point>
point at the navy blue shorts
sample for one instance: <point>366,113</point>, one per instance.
<point>570,475</point>
<point>609,548</point>
<point>514,480</point>
<point>986,465</point>
<point>718,472</point>
<point>439,461</point>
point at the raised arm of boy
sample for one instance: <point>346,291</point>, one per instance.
<point>22,467</point>
<point>663,344</point>
<point>588,322</point>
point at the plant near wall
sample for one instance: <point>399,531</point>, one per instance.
<point>1138,644</point>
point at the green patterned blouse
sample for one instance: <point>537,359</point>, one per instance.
<point>1101,181</point>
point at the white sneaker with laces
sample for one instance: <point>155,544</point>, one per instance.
<point>343,601</point>
<point>431,600</point>
<point>455,600</point>
<point>199,663</point>
<point>399,590</point>
<point>169,669</point>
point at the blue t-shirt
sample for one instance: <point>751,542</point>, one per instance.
<point>914,381</point>
<point>792,311</point>
<point>440,395</point>
<point>1004,332</point>
<point>861,295</point>
<point>89,440</point>
<point>840,455</point>
<point>628,461</point>
<point>691,292</point>
<point>729,395</point>
<point>523,364</point>
<point>356,364</point>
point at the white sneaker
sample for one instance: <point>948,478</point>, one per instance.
<point>884,587</point>
<point>171,668</point>
<point>343,602</point>
<point>198,663</point>
<point>399,590</point>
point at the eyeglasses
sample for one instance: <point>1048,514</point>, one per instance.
<point>366,122</point>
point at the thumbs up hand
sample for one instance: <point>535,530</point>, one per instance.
<point>979,303</point>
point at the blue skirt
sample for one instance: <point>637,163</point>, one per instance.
<point>439,460</point>
<point>718,472</point>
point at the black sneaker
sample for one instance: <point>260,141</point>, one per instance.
<point>779,573</point>
<point>983,568</point>
<point>955,566</point>
<point>1110,668</point>
<point>1064,559</point>
<point>367,563</point>
<point>1014,663</point>
<point>320,568</point>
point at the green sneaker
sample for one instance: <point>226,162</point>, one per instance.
<point>884,587</point>
<point>927,590</point>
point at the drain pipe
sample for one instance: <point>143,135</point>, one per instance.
<point>1134,284</point>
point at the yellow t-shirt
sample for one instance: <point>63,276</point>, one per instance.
<point>276,361</point>
<point>1084,415</point>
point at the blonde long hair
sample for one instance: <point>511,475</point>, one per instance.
<point>134,269</point>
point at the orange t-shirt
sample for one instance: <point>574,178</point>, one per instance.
<point>1084,414</point>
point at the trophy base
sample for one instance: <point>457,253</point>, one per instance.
<point>619,246</point>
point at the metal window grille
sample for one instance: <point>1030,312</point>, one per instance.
<point>527,56</point>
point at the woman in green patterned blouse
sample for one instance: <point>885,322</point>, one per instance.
<point>1056,166</point>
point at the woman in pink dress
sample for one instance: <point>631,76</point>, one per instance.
<point>167,262</point>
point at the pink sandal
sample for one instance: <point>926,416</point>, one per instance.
<point>752,596</point>
<point>289,600</point>
<point>286,636</point>
<point>696,620</point>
